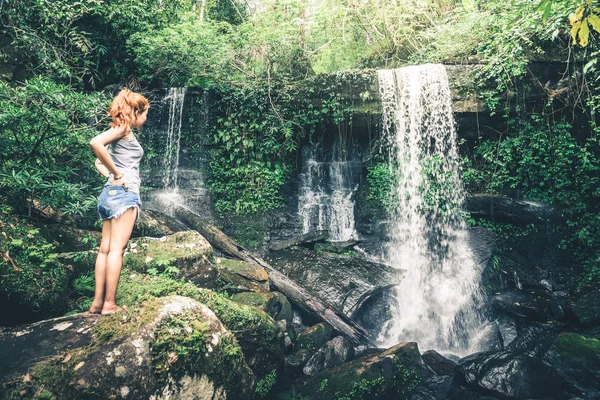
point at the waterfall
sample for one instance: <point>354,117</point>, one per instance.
<point>438,298</point>
<point>176,172</point>
<point>326,193</point>
<point>175,98</point>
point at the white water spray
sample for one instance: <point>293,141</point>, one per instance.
<point>440,294</point>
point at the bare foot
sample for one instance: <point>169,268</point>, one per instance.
<point>110,309</point>
<point>96,307</point>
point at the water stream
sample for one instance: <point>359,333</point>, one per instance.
<point>439,297</point>
<point>327,188</point>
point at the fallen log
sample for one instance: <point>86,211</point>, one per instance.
<point>301,298</point>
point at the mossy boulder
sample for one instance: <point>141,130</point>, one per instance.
<point>285,313</point>
<point>577,360</point>
<point>393,373</point>
<point>172,347</point>
<point>266,301</point>
<point>182,250</point>
<point>314,337</point>
<point>240,276</point>
<point>257,333</point>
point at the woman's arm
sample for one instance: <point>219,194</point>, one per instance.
<point>101,168</point>
<point>99,143</point>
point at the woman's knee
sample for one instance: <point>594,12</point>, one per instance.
<point>104,248</point>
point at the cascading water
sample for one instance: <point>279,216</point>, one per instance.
<point>176,173</point>
<point>175,97</point>
<point>438,298</point>
<point>326,194</point>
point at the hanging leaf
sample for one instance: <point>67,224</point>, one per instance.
<point>584,33</point>
<point>594,21</point>
<point>574,31</point>
<point>590,64</point>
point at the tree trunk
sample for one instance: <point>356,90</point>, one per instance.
<point>296,294</point>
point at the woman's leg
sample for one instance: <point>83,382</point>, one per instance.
<point>120,231</point>
<point>100,270</point>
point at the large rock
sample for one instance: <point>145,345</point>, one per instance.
<point>266,301</point>
<point>509,374</point>
<point>505,209</point>
<point>240,276</point>
<point>523,304</point>
<point>393,373</point>
<point>314,337</point>
<point>439,364</point>
<point>577,360</point>
<point>342,281</point>
<point>185,250</point>
<point>333,353</point>
<point>173,347</point>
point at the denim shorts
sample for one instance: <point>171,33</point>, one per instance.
<point>115,200</point>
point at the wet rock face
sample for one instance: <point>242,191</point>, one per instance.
<point>576,359</point>
<point>439,364</point>
<point>343,281</point>
<point>509,374</point>
<point>523,304</point>
<point>172,348</point>
<point>333,353</point>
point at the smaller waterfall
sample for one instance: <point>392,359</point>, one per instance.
<point>326,194</point>
<point>175,99</point>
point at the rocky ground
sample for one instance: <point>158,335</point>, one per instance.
<point>200,325</point>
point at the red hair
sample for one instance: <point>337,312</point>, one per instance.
<point>125,107</point>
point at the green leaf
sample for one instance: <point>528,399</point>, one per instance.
<point>594,20</point>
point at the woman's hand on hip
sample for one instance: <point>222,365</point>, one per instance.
<point>120,182</point>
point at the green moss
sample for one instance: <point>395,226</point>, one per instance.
<point>182,344</point>
<point>243,268</point>
<point>353,382</point>
<point>314,337</point>
<point>265,385</point>
<point>128,321</point>
<point>253,328</point>
<point>146,254</point>
<point>579,351</point>
<point>46,379</point>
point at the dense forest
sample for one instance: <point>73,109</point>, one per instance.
<point>276,69</point>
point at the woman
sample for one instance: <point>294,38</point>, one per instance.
<point>119,155</point>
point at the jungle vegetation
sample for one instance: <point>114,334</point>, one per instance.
<point>57,55</point>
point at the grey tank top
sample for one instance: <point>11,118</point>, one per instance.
<point>127,154</point>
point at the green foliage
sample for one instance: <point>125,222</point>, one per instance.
<point>44,151</point>
<point>29,268</point>
<point>84,42</point>
<point>265,385</point>
<point>257,135</point>
<point>544,161</point>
